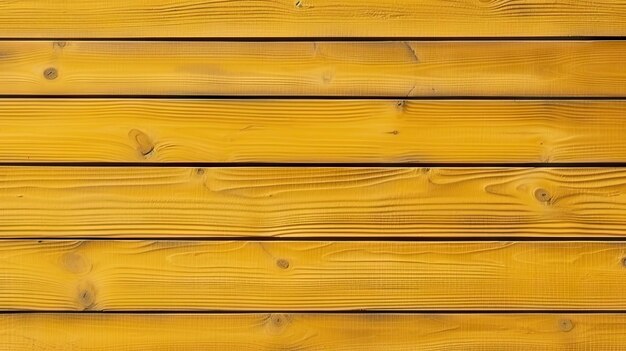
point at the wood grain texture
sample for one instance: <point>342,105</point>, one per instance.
<point>292,331</point>
<point>397,69</point>
<point>310,18</point>
<point>302,275</point>
<point>162,130</point>
<point>311,202</point>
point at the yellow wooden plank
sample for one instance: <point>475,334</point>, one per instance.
<point>310,275</point>
<point>305,202</point>
<point>162,130</point>
<point>310,18</point>
<point>293,331</point>
<point>398,69</point>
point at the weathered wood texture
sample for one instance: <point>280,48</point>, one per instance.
<point>398,69</point>
<point>330,202</point>
<point>271,276</point>
<point>311,18</point>
<point>129,130</point>
<point>353,332</point>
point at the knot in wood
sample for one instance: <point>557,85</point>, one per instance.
<point>75,263</point>
<point>542,195</point>
<point>86,295</point>
<point>50,73</point>
<point>142,142</point>
<point>566,325</point>
<point>282,263</point>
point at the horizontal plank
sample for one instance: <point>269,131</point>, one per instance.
<point>310,18</point>
<point>304,202</point>
<point>293,331</point>
<point>308,275</point>
<point>397,69</point>
<point>172,130</point>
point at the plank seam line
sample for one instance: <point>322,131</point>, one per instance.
<point>309,97</point>
<point>346,312</point>
<point>35,164</point>
<point>372,239</point>
<point>330,38</point>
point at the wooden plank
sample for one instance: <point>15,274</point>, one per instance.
<point>293,331</point>
<point>310,18</point>
<point>170,130</point>
<point>397,69</point>
<point>311,202</point>
<point>110,275</point>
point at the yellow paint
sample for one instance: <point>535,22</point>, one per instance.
<point>42,202</point>
<point>310,275</point>
<point>149,130</point>
<point>279,331</point>
<point>331,202</point>
<point>310,18</point>
<point>396,69</point>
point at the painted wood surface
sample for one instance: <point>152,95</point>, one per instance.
<point>311,18</point>
<point>311,202</point>
<point>293,331</point>
<point>75,90</point>
<point>396,69</point>
<point>289,131</point>
<point>309,275</point>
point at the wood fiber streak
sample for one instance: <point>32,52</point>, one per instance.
<point>287,331</point>
<point>162,130</point>
<point>311,18</point>
<point>311,202</point>
<point>396,69</point>
<point>279,276</point>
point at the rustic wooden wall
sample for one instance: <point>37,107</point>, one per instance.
<point>313,175</point>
